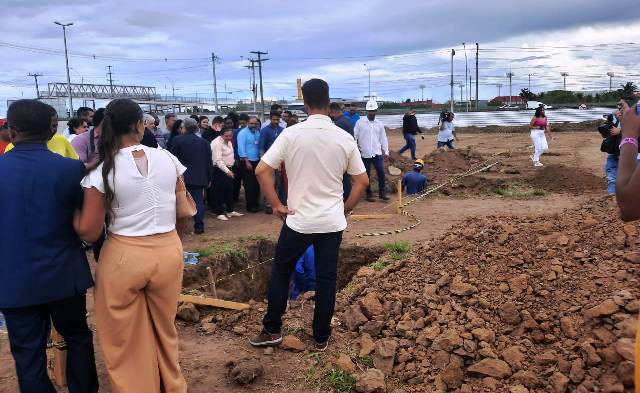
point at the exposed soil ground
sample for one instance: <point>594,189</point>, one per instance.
<point>472,231</point>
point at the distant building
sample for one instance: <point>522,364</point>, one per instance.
<point>515,100</point>
<point>424,104</point>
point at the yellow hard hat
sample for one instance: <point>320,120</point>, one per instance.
<point>420,161</point>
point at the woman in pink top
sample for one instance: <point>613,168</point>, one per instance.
<point>223,160</point>
<point>539,125</point>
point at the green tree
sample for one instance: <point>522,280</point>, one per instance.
<point>628,91</point>
<point>527,95</point>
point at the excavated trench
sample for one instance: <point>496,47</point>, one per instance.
<point>239,279</point>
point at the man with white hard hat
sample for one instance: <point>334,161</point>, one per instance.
<point>374,146</point>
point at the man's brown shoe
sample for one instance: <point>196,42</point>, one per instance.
<point>265,339</point>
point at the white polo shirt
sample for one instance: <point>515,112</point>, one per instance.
<point>316,154</point>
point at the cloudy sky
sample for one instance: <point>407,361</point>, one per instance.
<point>405,44</point>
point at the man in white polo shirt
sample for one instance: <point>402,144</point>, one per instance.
<point>316,154</point>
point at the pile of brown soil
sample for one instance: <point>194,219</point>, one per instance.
<point>564,179</point>
<point>503,304</point>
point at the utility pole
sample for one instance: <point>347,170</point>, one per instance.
<point>477,55</point>
<point>35,76</point>
<point>564,77</point>
<point>252,81</point>
<point>470,84</point>
<point>422,88</point>
<point>255,85</point>
<point>461,87</point>
<point>110,79</point>
<point>369,71</point>
<point>466,72</point>
<point>610,75</point>
<point>215,84</point>
<point>499,89</point>
<point>66,57</point>
<point>510,76</point>
<point>259,61</point>
<point>529,82</point>
<point>453,53</point>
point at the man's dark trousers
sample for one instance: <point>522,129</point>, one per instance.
<point>237,180</point>
<point>29,328</point>
<point>251,186</point>
<point>346,186</point>
<point>378,163</point>
<point>291,246</point>
<point>197,193</point>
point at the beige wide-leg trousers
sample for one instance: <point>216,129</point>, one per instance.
<point>138,282</point>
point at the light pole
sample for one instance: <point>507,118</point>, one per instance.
<point>422,88</point>
<point>453,53</point>
<point>461,87</point>
<point>610,75</point>
<point>466,72</point>
<point>79,74</point>
<point>499,85</point>
<point>66,57</point>
<point>564,78</point>
<point>369,71</point>
<point>510,76</point>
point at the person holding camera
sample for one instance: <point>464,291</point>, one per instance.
<point>610,131</point>
<point>447,133</point>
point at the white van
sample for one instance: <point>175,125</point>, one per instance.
<point>536,104</point>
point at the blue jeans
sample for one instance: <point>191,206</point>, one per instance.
<point>611,170</point>
<point>291,246</point>
<point>378,163</point>
<point>411,145</point>
<point>448,144</point>
<point>197,193</point>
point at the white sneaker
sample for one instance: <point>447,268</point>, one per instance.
<point>222,217</point>
<point>234,214</point>
<point>537,163</point>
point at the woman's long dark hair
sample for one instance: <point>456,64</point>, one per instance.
<point>120,118</point>
<point>539,112</point>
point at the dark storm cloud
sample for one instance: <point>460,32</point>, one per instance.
<point>330,38</point>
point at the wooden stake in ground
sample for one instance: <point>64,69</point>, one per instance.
<point>58,366</point>
<point>212,281</point>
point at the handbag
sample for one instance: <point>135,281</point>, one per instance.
<point>185,205</point>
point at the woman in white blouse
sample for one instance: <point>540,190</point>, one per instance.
<point>139,275</point>
<point>223,160</point>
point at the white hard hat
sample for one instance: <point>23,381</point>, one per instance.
<point>372,105</point>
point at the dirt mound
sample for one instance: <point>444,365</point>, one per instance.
<point>548,303</point>
<point>442,164</point>
<point>584,126</point>
<point>563,179</point>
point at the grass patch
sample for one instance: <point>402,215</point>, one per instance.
<point>349,289</point>
<point>338,381</point>
<point>293,331</point>
<point>397,250</point>
<point>364,360</point>
<point>518,191</point>
<point>223,248</point>
<point>329,380</point>
<point>378,265</point>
